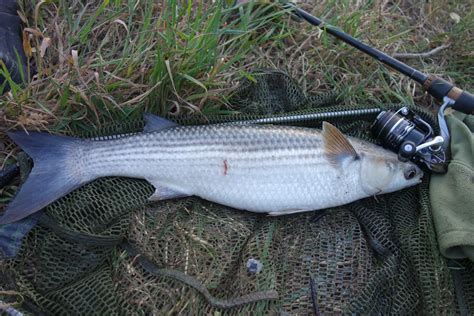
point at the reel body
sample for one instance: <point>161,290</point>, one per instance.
<point>411,138</point>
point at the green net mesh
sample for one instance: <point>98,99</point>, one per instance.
<point>368,257</point>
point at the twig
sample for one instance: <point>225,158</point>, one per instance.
<point>150,267</point>
<point>423,55</point>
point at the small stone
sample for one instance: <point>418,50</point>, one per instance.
<point>254,266</point>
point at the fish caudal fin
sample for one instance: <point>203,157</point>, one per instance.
<point>56,172</point>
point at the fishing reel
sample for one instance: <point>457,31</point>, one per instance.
<point>412,138</point>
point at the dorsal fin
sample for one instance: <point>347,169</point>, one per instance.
<point>154,123</point>
<point>336,145</point>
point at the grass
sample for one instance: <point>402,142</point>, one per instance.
<point>105,61</point>
<point>113,60</point>
<point>100,62</point>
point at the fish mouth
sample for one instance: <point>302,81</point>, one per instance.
<point>420,179</point>
<point>421,174</point>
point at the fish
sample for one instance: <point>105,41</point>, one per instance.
<point>270,169</point>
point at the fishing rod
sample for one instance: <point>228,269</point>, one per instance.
<point>403,131</point>
<point>439,88</point>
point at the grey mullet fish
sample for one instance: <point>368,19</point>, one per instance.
<point>267,169</point>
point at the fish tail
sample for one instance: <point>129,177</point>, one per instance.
<point>57,170</point>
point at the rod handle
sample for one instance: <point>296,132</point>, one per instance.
<point>440,88</point>
<point>464,101</point>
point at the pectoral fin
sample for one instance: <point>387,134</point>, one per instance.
<point>336,146</point>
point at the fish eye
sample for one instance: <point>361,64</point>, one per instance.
<point>410,173</point>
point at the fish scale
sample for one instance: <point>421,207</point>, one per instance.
<point>267,169</point>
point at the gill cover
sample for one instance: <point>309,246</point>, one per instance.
<point>375,174</point>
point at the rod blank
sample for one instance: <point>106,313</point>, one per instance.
<point>375,53</point>
<point>437,87</point>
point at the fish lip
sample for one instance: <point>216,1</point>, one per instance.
<point>422,174</point>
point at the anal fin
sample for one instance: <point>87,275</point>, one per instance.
<point>164,193</point>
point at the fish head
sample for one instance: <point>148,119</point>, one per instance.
<point>380,169</point>
<point>384,173</point>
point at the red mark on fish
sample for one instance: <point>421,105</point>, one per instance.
<point>226,167</point>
